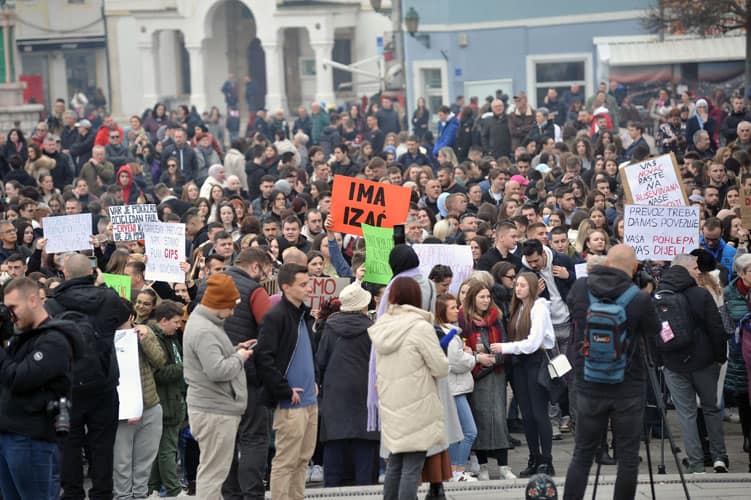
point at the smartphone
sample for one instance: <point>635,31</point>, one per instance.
<point>92,261</point>
<point>399,236</point>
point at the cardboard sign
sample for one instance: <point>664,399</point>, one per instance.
<point>67,233</point>
<point>119,282</point>
<point>165,249</point>
<point>323,289</point>
<point>457,257</point>
<point>661,233</point>
<point>378,245</point>
<point>656,181</point>
<point>580,270</point>
<point>746,206</point>
<point>129,388</point>
<point>127,221</point>
<point>355,202</point>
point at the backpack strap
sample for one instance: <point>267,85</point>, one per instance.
<point>627,296</point>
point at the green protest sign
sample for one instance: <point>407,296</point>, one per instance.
<point>379,241</point>
<point>119,282</point>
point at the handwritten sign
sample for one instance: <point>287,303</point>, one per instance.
<point>67,233</point>
<point>324,289</point>
<point>457,257</point>
<point>129,388</point>
<point>118,282</point>
<point>656,181</point>
<point>746,206</point>
<point>661,233</point>
<point>355,202</point>
<point>127,221</point>
<point>379,242</point>
<point>165,249</point>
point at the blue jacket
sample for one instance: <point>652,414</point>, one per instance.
<point>724,254</point>
<point>446,134</point>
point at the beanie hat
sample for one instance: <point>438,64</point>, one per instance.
<point>705,260</point>
<point>354,298</point>
<point>539,487</point>
<point>401,258</point>
<point>221,293</point>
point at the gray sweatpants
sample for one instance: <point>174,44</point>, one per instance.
<point>136,446</point>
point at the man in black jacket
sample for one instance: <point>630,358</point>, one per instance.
<point>496,135</point>
<point>694,370</point>
<point>63,173</point>
<point>285,363</point>
<point>93,418</point>
<point>35,371</point>
<point>622,403</point>
<point>183,153</point>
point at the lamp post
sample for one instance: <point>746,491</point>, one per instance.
<point>412,22</point>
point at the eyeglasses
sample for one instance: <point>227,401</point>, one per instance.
<point>114,137</point>
<point>509,276</point>
<point>172,164</point>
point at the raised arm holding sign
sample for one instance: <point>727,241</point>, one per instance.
<point>355,202</point>
<point>67,233</point>
<point>656,181</point>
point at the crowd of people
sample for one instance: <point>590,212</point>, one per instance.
<point>245,387</point>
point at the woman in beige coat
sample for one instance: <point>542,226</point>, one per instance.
<point>408,361</point>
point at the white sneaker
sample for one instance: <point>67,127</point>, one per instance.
<point>473,466</point>
<point>731,415</point>
<point>484,475</point>
<point>308,472</point>
<point>506,472</point>
<point>381,478</point>
<point>462,477</point>
<point>720,466</point>
<point>316,475</point>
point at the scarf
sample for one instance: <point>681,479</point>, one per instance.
<point>473,337</point>
<point>374,422</point>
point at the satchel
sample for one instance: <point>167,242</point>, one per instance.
<point>556,386</point>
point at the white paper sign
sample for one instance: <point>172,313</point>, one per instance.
<point>165,249</point>
<point>661,233</point>
<point>129,387</point>
<point>67,233</point>
<point>654,182</point>
<point>127,221</point>
<point>457,257</point>
<point>580,270</point>
<point>323,289</point>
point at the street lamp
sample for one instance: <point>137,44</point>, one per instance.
<point>412,22</point>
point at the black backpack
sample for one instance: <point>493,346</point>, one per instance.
<point>97,363</point>
<point>675,315</point>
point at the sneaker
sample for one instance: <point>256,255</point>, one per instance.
<point>731,415</point>
<point>694,468</point>
<point>381,478</point>
<point>462,477</point>
<point>565,426</point>
<point>557,436</point>
<point>473,466</point>
<point>308,473</point>
<point>484,475</point>
<point>316,474</point>
<point>720,466</point>
<point>506,472</point>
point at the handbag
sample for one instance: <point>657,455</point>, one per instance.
<point>555,385</point>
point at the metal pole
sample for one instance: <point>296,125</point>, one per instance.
<point>107,56</point>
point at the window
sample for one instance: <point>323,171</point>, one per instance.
<point>430,80</point>
<point>307,67</point>
<point>433,90</point>
<point>559,72</point>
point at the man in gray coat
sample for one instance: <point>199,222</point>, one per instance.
<point>217,388</point>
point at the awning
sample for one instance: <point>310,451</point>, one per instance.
<point>639,50</point>
<point>61,43</point>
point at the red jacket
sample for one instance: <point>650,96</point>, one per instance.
<point>103,136</point>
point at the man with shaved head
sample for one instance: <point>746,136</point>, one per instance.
<point>623,403</point>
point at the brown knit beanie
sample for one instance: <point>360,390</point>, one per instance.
<point>221,293</point>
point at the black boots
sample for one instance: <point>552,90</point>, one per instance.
<point>603,458</point>
<point>531,469</point>
<point>545,466</point>
<point>436,492</point>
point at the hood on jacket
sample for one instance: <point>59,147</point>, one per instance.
<point>349,324</point>
<point>608,282</point>
<point>69,330</point>
<point>127,170</point>
<point>676,279</point>
<point>389,333</point>
<point>79,294</point>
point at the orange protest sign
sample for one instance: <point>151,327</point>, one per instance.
<point>357,201</point>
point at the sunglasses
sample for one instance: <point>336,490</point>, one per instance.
<point>114,137</point>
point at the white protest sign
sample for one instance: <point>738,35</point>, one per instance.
<point>127,221</point>
<point>457,257</point>
<point>580,270</point>
<point>165,249</point>
<point>656,181</point>
<point>661,233</point>
<point>323,289</point>
<point>129,387</point>
<point>67,233</point>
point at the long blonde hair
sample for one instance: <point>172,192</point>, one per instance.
<point>520,320</point>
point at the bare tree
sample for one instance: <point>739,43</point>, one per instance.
<point>703,17</point>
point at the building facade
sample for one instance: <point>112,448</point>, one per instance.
<point>183,51</point>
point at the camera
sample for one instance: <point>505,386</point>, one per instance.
<point>61,410</point>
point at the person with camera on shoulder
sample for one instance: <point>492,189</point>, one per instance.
<point>36,371</point>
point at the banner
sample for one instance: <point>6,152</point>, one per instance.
<point>656,181</point>
<point>119,282</point>
<point>457,257</point>
<point>661,233</point>
<point>323,289</point>
<point>67,233</point>
<point>127,221</point>
<point>165,249</point>
<point>378,245</point>
<point>355,202</point>
<point>129,388</point>
<point>746,206</point>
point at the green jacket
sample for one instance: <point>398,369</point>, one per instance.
<point>151,357</point>
<point>736,378</point>
<point>170,383</point>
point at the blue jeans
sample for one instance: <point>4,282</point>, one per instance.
<point>459,452</point>
<point>26,468</point>
<point>403,475</point>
